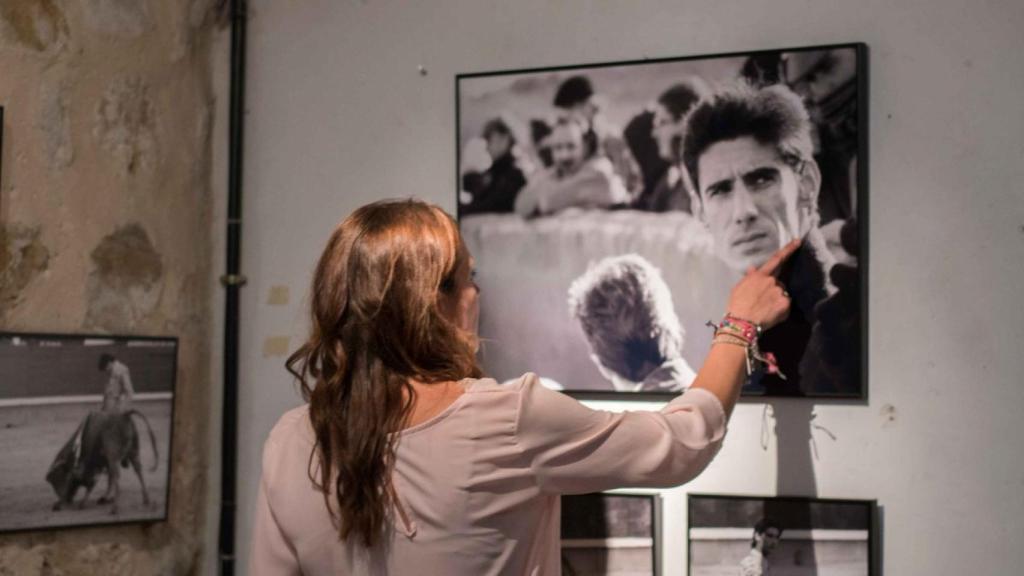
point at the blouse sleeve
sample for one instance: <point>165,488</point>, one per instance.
<point>271,553</point>
<point>573,449</point>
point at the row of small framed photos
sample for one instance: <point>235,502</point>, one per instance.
<point>620,533</point>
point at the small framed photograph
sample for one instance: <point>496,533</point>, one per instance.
<point>611,534</point>
<point>781,536</point>
<point>612,207</point>
<point>85,429</point>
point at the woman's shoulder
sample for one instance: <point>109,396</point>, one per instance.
<point>509,397</point>
<point>293,426</point>
<point>492,386</point>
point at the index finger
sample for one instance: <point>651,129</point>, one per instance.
<point>775,262</point>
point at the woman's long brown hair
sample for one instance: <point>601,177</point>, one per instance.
<point>378,320</point>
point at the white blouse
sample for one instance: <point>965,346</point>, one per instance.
<point>479,483</point>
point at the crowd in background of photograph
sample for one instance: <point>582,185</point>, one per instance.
<point>573,156</point>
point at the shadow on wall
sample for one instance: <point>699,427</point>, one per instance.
<point>795,471</point>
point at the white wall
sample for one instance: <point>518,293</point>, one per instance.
<point>339,116</point>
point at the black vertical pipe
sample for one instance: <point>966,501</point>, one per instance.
<point>232,281</point>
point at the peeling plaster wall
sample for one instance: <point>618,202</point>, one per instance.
<point>106,208</point>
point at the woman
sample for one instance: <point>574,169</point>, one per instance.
<point>406,461</point>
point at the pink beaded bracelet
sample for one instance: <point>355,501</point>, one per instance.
<point>734,330</point>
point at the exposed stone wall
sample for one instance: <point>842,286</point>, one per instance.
<point>105,226</point>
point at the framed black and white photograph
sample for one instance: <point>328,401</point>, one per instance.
<point>781,536</point>
<point>611,534</point>
<point>85,429</point>
<point>611,208</point>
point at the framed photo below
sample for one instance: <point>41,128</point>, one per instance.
<point>781,536</point>
<point>611,534</point>
<point>611,208</point>
<point>85,429</point>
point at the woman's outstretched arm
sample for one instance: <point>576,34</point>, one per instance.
<point>572,449</point>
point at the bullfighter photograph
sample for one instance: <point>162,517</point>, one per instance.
<point>85,427</point>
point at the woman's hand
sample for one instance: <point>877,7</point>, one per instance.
<point>759,297</point>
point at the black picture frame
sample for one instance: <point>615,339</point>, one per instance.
<point>590,520</point>
<point>153,365</point>
<point>851,516</point>
<point>855,356</point>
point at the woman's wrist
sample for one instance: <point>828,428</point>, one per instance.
<point>737,331</point>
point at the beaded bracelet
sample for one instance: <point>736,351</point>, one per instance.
<point>739,332</point>
<point>733,325</point>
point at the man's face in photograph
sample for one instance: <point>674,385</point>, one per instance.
<point>750,200</point>
<point>566,143</point>
<point>769,540</point>
<point>498,144</point>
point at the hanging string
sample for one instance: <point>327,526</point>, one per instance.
<point>814,442</point>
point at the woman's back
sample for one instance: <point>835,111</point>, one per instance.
<point>478,484</point>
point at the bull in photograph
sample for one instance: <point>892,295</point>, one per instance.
<point>105,442</point>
